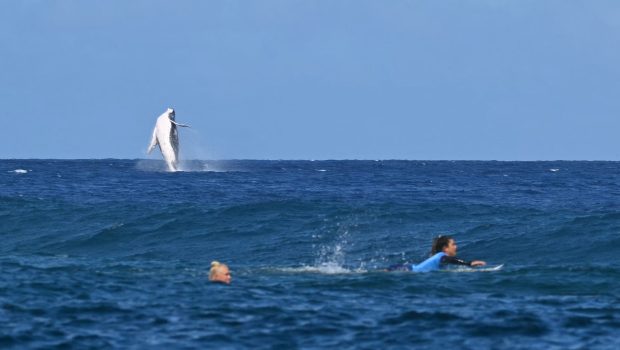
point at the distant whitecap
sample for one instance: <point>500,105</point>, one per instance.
<point>20,171</point>
<point>554,170</point>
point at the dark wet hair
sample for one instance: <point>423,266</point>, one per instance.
<point>439,243</point>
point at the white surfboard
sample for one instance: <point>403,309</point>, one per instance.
<point>476,269</point>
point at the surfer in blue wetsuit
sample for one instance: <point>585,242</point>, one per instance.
<point>443,253</point>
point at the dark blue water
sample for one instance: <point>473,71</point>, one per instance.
<point>115,254</point>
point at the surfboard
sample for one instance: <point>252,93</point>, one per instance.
<point>490,268</point>
<point>476,269</point>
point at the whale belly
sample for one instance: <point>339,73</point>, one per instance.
<point>168,140</point>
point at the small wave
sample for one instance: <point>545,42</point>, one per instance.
<point>19,171</point>
<point>185,166</point>
<point>149,165</point>
<point>553,170</point>
<point>321,170</point>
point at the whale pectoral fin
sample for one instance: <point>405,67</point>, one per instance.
<point>153,142</point>
<point>181,125</point>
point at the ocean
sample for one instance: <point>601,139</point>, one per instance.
<point>114,254</point>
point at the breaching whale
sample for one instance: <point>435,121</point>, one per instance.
<point>166,136</point>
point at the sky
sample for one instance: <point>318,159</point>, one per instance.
<point>312,79</point>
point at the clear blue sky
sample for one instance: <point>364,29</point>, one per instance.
<point>322,79</point>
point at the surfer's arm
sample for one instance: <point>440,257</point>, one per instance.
<point>153,142</point>
<point>456,261</point>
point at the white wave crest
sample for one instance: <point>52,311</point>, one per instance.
<point>324,268</point>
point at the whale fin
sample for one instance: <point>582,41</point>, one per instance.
<point>153,142</point>
<point>179,124</point>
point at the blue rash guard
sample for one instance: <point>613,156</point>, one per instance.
<point>433,263</point>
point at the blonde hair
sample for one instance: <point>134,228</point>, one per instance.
<point>215,265</point>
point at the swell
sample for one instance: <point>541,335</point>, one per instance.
<point>302,232</point>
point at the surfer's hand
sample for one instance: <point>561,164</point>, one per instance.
<point>477,263</point>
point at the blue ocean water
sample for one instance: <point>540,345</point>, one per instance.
<point>115,254</point>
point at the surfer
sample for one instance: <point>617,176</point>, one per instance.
<point>443,253</point>
<point>219,273</point>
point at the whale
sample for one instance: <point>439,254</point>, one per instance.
<point>166,136</point>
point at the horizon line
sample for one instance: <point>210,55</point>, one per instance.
<point>321,160</point>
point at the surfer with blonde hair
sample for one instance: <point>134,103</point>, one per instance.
<point>219,273</point>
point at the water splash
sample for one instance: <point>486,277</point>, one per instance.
<point>331,256</point>
<point>153,165</point>
<point>202,166</point>
<point>324,268</point>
